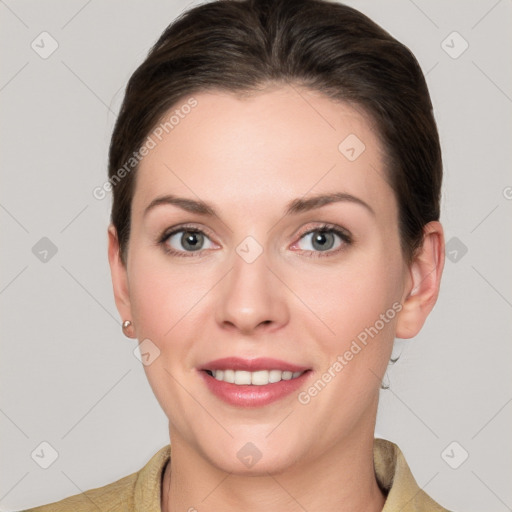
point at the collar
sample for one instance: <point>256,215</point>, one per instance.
<point>391,470</point>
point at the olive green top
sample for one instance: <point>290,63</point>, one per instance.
<point>140,491</point>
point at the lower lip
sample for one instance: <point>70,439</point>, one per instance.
<point>250,395</point>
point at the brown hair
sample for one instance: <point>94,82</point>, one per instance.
<point>242,45</point>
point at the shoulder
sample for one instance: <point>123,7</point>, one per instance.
<point>123,495</point>
<point>115,497</point>
<point>396,480</point>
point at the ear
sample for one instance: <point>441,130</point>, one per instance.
<point>424,279</point>
<point>119,276</point>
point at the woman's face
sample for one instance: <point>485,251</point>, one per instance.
<point>263,278</point>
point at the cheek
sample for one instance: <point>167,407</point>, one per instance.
<point>165,300</point>
<point>164,295</point>
<point>353,296</point>
<point>357,305</point>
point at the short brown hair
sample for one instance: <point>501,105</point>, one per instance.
<point>243,45</point>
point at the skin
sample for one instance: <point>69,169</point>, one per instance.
<point>249,157</point>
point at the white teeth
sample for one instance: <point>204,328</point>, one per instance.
<point>229,375</point>
<point>242,377</point>
<point>274,376</point>
<point>259,378</point>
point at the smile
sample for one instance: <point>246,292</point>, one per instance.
<point>253,382</point>
<point>259,378</point>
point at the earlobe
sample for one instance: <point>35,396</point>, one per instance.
<point>119,275</point>
<point>424,281</point>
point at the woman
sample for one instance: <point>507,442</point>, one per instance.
<point>276,174</point>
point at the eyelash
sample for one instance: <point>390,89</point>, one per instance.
<point>324,228</point>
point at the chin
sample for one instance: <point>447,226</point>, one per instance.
<point>258,457</point>
<point>267,465</point>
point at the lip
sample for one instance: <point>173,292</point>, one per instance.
<point>250,396</point>
<point>252,365</point>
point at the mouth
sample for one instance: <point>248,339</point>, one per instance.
<point>252,383</point>
<point>259,378</point>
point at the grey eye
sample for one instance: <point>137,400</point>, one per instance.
<point>188,240</point>
<point>320,240</point>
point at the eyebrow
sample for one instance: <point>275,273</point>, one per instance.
<point>294,207</point>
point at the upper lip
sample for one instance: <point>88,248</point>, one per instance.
<point>252,365</point>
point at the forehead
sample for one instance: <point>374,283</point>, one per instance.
<point>273,145</point>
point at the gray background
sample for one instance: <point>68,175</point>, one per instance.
<point>68,375</point>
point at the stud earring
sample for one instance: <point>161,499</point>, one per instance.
<point>126,325</point>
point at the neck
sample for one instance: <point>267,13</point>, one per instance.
<point>342,479</point>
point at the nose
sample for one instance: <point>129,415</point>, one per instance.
<point>252,298</point>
